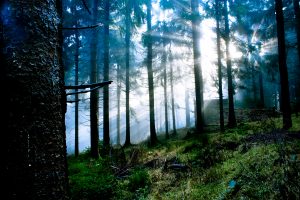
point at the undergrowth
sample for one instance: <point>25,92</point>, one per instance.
<point>230,166</point>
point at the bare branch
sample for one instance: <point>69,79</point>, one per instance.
<point>81,28</point>
<point>67,87</point>
<point>93,86</point>
<point>86,7</point>
<point>73,101</point>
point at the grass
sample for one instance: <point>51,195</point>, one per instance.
<point>225,168</point>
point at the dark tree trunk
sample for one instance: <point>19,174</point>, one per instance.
<point>231,117</point>
<point>297,15</point>
<point>195,112</point>
<point>33,162</point>
<point>187,109</point>
<point>127,56</point>
<point>106,138</point>
<point>197,66</point>
<point>164,65</point>
<point>153,138</point>
<point>172,92</point>
<point>94,98</point>
<point>261,90</point>
<point>76,59</point>
<point>254,89</point>
<point>251,67</point>
<point>118,104</point>
<point>220,76</point>
<point>284,81</point>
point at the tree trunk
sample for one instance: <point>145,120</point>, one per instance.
<point>33,165</point>
<point>94,98</point>
<point>297,15</point>
<point>284,81</point>
<point>197,66</point>
<point>253,78</point>
<point>153,138</point>
<point>261,90</point>
<point>76,59</point>
<point>187,109</point>
<point>220,76</point>
<point>118,104</point>
<point>164,65</point>
<point>106,138</point>
<point>127,41</point>
<point>172,92</point>
<point>231,117</point>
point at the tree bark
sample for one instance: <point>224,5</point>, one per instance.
<point>220,76</point>
<point>106,138</point>
<point>153,138</point>
<point>197,66</point>
<point>127,57</point>
<point>231,115</point>
<point>33,165</point>
<point>284,81</point>
<point>94,95</point>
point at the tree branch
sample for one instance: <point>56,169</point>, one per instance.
<point>86,7</point>
<point>81,28</point>
<point>93,86</point>
<point>73,101</point>
<point>70,87</point>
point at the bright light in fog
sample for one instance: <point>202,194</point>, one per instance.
<point>139,98</point>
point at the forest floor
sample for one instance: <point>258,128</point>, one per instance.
<point>256,160</point>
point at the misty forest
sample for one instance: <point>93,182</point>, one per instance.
<point>150,99</point>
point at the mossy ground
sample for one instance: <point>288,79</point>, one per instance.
<point>251,161</point>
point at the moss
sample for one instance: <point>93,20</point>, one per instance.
<point>90,178</point>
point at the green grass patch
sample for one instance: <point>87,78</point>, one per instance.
<point>227,167</point>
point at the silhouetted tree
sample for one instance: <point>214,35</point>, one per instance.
<point>197,65</point>
<point>94,96</point>
<point>76,62</point>
<point>106,138</point>
<point>164,65</point>
<point>231,114</point>
<point>131,7</point>
<point>284,81</point>
<point>220,76</point>
<point>297,17</point>
<point>153,138</point>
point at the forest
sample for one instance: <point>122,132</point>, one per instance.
<point>150,99</point>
